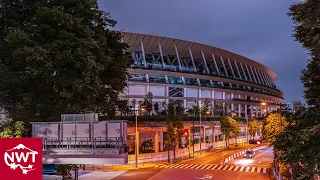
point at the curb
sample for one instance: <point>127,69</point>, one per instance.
<point>234,156</point>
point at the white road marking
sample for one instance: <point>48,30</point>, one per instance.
<point>209,176</point>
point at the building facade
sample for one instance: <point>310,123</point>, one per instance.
<point>191,73</point>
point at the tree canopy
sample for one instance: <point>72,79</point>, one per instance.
<point>59,57</point>
<point>229,128</point>
<point>306,18</point>
<point>272,126</point>
<point>298,144</point>
<point>254,127</point>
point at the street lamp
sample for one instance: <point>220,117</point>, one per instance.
<point>265,108</point>
<point>207,112</point>
<point>136,136</point>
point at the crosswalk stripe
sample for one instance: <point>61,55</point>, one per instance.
<point>184,166</point>
<point>225,168</point>
<point>236,169</point>
<point>171,165</point>
<point>178,165</point>
<point>189,165</point>
<point>242,167</point>
<point>264,170</point>
<point>216,167</point>
<point>220,167</point>
<point>259,169</point>
<point>210,166</point>
<point>205,166</point>
<point>201,165</point>
<point>195,165</point>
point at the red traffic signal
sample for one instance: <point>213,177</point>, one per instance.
<point>186,132</point>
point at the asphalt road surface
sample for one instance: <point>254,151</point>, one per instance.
<point>208,167</point>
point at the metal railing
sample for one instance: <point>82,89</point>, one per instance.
<point>83,142</point>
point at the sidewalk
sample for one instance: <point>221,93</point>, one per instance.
<point>153,164</point>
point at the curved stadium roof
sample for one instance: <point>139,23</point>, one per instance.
<point>151,45</point>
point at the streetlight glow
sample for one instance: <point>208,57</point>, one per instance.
<point>263,104</point>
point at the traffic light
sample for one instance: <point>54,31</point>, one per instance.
<point>186,132</point>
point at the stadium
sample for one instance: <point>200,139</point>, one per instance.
<point>190,73</point>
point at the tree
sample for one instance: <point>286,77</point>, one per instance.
<point>147,102</point>
<point>59,57</point>
<point>219,110</point>
<point>156,107</point>
<point>64,170</point>
<point>298,144</point>
<point>179,109</point>
<point>12,129</point>
<point>194,111</point>
<point>254,127</point>
<point>123,107</point>
<point>272,126</point>
<point>229,128</point>
<point>306,19</point>
<point>174,125</point>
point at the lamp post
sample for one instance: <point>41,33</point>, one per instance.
<point>136,135</point>
<point>207,112</point>
<point>200,129</point>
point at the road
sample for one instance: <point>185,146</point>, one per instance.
<point>208,167</point>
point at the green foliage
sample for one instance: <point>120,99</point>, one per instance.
<point>146,146</point>
<point>272,126</point>
<point>299,144</point>
<point>59,57</point>
<point>179,109</point>
<point>193,111</point>
<point>156,107</point>
<point>219,110</point>
<point>174,125</point>
<point>12,129</point>
<point>147,102</point>
<point>306,18</point>
<point>64,170</point>
<point>229,128</point>
<point>123,107</point>
<point>254,127</point>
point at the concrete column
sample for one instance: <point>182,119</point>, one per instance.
<point>213,134</point>
<point>204,138</point>
<point>148,88</point>
<point>223,95</point>
<point>256,111</point>
<point>199,93</point>
<point>246,110</point>
<point>212,94</point>
<point>239,110</point>
<point>156,142</point>
<point>161,140</point>
<point>232,109</point>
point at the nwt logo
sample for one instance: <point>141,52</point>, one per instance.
<point>18,159</point>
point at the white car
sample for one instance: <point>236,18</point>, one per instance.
<point>249,154</point>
